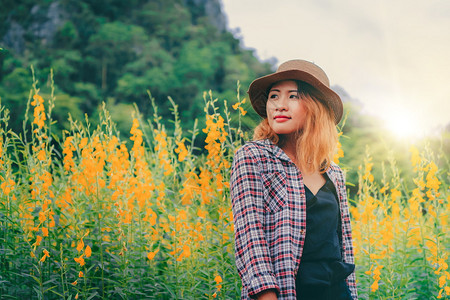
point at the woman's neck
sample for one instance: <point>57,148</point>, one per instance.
<point>289,147</point>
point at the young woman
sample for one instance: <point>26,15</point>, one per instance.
<point>292,226</point>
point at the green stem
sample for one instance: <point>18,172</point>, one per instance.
<point>62,270</point>
<point>41,287</point>
<point>424,260</point>
<point>99,227</point>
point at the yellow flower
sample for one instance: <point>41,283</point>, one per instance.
<point>182,151</point>
<point>80,274</point>
<point>39,111</point>
<point>38,240</point>
<point>186,250</point>
<point>190,188</point>
<point>395,194</point>
<point>415,156</point>
<point>238,105</point>
<point>442,280</point>
<point>68,149</point>
<point>41,155</point>
<point>46,254</point>
<point>37,99</point>
<point>182,214</point>
<point>80,260</point>
<point>83,143</point>
<point>7,186</point>
<point>376,276</point>
<point>218,279</point>
<point>368,167</point>
<point>377,272</point>
<point>151,255</point>
<point>374,286</point>
<point>185,253</point>
<point>80,245</point>
<point>88,251</point>
<point>202,213</point>
<point>134,127</point>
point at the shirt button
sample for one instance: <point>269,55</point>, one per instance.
<point>302,231</point>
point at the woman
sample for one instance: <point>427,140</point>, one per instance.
<point>292,227</point>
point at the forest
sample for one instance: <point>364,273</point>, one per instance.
<point>118,124</point>
<point>116,51</point>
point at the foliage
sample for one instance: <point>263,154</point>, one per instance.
<point>402,233</point>
<point>86,216</point>
<point>114,51</point>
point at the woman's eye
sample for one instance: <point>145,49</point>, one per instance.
<point>294,96</point>
<point>273,96</point>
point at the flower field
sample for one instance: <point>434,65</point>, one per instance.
<point>91,216</point>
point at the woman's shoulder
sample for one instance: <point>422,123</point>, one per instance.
<point>256,149</point>
<point>335,167</point>
<point>335,170</point>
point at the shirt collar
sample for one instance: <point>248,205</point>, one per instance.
<point>276,151</point>
<point>280,154</point>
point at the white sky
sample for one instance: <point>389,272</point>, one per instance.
<point>392,55</point>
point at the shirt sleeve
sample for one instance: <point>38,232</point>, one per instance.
<point>347,233</point>
<point>251,249</point>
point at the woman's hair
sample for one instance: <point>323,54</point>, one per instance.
<point>316,142</point>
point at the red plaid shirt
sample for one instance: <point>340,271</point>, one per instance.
<point>269,208</point>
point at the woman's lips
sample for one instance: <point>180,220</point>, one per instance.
<point>281,118</point>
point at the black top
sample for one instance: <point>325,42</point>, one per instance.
<point>321,262</point>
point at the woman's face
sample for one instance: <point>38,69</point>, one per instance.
<point>286,111</point>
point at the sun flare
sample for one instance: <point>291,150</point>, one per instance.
<point>403,125</point>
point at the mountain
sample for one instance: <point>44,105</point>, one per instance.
<point>114,51</point>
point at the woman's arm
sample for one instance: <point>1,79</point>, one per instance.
<point>267,295</point>
<point>253,259</point>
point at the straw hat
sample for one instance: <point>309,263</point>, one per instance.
<point>296,70</point>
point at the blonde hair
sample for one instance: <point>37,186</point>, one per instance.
<point>316,142</point>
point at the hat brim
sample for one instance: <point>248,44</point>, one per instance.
<point>259,87</point>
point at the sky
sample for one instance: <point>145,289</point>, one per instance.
<point>393,56</point>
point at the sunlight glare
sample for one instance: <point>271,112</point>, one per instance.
<point>403,125</point>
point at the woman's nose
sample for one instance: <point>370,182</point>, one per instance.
<point>281,104</point>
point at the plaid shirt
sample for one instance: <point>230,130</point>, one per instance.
<point>269,208</point>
